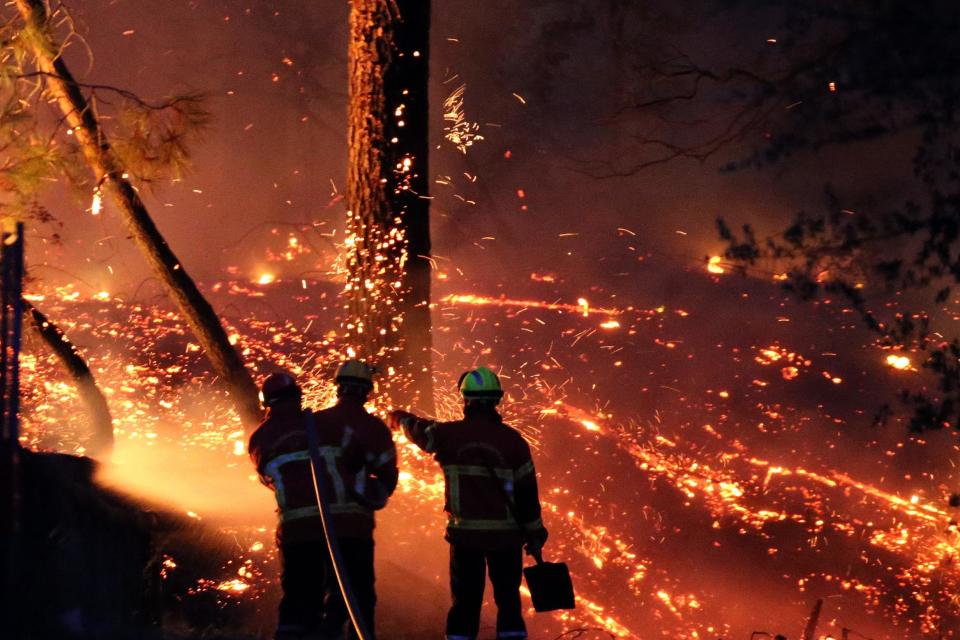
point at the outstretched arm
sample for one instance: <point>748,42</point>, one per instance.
<point>420,431</point>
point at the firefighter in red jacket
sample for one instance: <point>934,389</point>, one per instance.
<point>491,500</point>
<point>361,475</point>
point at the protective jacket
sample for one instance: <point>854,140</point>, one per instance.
<point>486,467</point>
<point>361,465</point>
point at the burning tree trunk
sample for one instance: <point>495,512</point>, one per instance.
<point>387,191</point>
<point>107,168</point>
<point>78,370</point>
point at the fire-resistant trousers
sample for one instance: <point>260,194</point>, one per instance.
<point>311,596</point>
<point>357,556</point>
<point>468,568</point>
<point>305,568</point>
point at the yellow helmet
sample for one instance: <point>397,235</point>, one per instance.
<point>480,384</point>
<point>356,372</point>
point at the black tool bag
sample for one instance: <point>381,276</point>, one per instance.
<point>549,582</point>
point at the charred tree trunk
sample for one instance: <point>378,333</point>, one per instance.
<point>388,192</point>
<point>810,632</point>
<point>100,418</point>
<point>201,318</point>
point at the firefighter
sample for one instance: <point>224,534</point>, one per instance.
<point>361,474</point>
<point>491,501</point>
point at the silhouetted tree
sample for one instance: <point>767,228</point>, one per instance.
<point>154,141</point>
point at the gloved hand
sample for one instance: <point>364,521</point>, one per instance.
<point>374,496</point>
<point>535,542</point>
<point>397,419</point>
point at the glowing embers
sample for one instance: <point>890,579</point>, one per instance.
<point>899,362</point>
<point>791,363</point>
<point>375,258</point>
<point>792,503</point>
<point>459,131</point>
<point>236,586</point>
<point>291,249</point>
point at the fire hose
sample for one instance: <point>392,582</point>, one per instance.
<point>319,470</point>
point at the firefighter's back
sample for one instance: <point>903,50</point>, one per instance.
<point>361,465</point>
<point>481,438</point>
<point>350,428</point>
<point>281,453</point>
<point>480,457</point>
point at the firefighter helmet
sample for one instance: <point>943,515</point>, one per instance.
<point>480,384</point>
<point>356,372</point>
<point>278,386</point>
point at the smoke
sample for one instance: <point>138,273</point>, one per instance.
<point>189,480</point>
<point>224,500</point>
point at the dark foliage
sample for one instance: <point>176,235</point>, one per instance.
<point>787,79</point>
<point>835,74</point>
<point>847,72</point>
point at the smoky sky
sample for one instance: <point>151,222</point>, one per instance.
<point>548,83</point>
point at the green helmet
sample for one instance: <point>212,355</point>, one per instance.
<point>480,384</point>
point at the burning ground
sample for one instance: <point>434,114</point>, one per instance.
<point>706,456</point>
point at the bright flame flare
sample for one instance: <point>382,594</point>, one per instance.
<point>898,362</point>
<point>713,265</point>
<point>96,205</point>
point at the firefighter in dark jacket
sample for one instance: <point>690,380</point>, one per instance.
<point>491,501</point>
<point>361,465</point>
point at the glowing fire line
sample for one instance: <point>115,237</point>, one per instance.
<point>481,301</point>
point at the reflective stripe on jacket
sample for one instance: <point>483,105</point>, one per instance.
<point>485,463</point>
<point>360,461</point>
